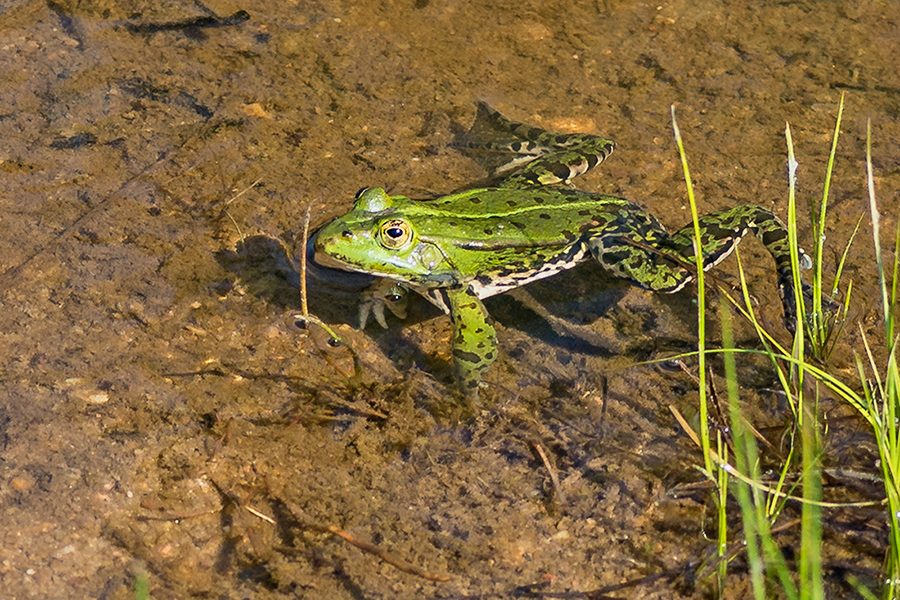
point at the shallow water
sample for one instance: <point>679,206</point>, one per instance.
<point>157,161</point>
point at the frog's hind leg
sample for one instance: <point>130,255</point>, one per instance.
<point>644,254</point>
<point>639,256</point>
<point>721,231</point>
<point>556,166</point>
<point>522,156</point>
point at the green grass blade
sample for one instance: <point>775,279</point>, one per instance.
<point>894,303</point>
<point>876,228</point>
<point>818,221</point>
<point>722,521</point>
<point>746,459</point>
<point>843,261</point>
<point>794,244</point>
<point>701,298</point>
<point>141,586</point>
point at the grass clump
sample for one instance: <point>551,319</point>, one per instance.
<point>804,375</point>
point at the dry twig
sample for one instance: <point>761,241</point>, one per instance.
<point>306,317</point>
<point>397,563</point>
<point>554,479</point>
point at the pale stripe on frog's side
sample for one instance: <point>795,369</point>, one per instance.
<point>460,248</point>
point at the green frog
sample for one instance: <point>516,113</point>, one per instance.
<point>521,226</point>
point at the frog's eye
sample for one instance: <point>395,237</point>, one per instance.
<point>395,233</point>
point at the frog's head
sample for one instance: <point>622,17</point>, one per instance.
<point>377,237</point>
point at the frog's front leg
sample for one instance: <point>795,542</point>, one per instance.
<point>474,338</point>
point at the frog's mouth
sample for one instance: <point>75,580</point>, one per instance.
<point>326,260</point>
<point>331,262</point>
<point>324,256</point>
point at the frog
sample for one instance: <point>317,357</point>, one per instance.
<point>524,223</point>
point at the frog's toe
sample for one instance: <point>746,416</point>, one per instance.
<point>372,306</point>
<point>830,308</point>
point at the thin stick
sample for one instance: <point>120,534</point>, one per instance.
<point>242,192</point>
<point>303,306</point>
<point>741,546</point>
<point>164,515</point>
<point>388,558</point>
<point>255,512</point>
<point>372,549</point>
<point>560,497</point>
<point>728,468</point>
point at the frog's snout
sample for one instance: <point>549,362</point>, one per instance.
<point>318,243</point>
<point>331,235</point>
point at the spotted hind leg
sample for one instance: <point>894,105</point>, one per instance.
<point>721,231</point>
<point>522,156</point>
<point>644,254</point>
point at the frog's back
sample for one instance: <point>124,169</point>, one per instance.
<point>498,216</point>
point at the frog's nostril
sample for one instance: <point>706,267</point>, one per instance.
<point>347,234</point>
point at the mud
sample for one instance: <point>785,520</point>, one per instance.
<point>163,418</point>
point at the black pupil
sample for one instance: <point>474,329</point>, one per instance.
<point>394,232</point>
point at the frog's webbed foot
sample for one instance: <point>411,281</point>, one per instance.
<point>522,156</point>
<point>474,339</point>
<point>830,308</point>
<point>382,294</point>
